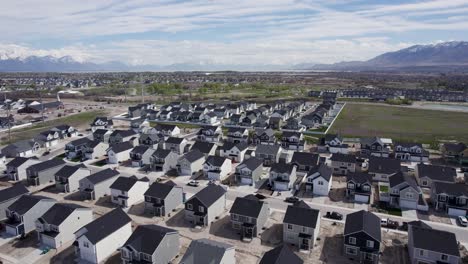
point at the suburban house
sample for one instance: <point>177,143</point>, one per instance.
<point>23,213</point>
<point>217,168</point>
<point>281,254</point>
<point>167,130</point>
<point>48,138</point>
<point>163,198</point>
<point>101,123</point>
<point>151,244</point>
<point>301,226</point>
<point>382,168</point>
<point>250,171</point>
<point>422,247</point>
<point>119,136</point>
<point>43,172</point>
<point>450,197</point>
<point>98,184</point>
<point>22,148</point>
<point>359,187</point>
<point>282,176</point>
<point>175,144</point>
<point>237,135</point>
<point>128,191</point>
<point>100,238</point>
<point>119,152</point>
<point>410,152</point>
<point>16,168</point>
<point>268,153</point>
<point>204,251</point>
<point>249,215</point>
<point>457,152</point>
<point>151,140</point>
<point>318,180</point>
<point>204,206</point>
<point>140,155</point>
<point>234,151</point>
<point>10,195</point>
<point>405,192</point>
<point>206,148</point>
<point>163,160</point>
<point>102,135</point>
<point>292,140</point>
<point>75,148</point>
<point>264,136</point>
<point>362,237</point>
<point>334,144</point>
<point>210,134</point>
<point>342,164</point>
<point>375,146</point>
<point>67,179</point>
<point>57,226</point>
<point>66,131</point>
<point>427,174</point>
<point>94,150</point>
<point>191,163</point>
<point>304,161</point>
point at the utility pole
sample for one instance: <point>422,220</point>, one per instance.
<point>8,105</point>
<point>142,93</point>
<point>42,105</point>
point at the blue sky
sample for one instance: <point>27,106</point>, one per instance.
<point>225,32</point>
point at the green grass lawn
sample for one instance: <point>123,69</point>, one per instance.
<point>383,188</point>
<point>399,123</point>
<point>180,125</point>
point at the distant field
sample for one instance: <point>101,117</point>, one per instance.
<point>405,124</point>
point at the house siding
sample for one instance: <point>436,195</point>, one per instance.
<point>168,249</point>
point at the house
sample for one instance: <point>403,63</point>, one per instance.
<point>98,184</point>
<point>67,179</point>
<point>427,174</point>
<point>94,150</point>
<point>10,195</point>
<point>163,160</point>
<point>210,134</point>
<point>422,247</point>
<point>282,176</point>
<point>217,168</point>
<point>410,152</point>
<point>101,123</point>
<point>191,163</point>
<point>381,168</point>
<point>318,180</point>
<point>47,139</point>
<point>163,198</point>
<point>362,237</point>
<point>66,131</point>
<point>16,168</point>
<point>23,213</point>
<point>204,206</point>
<point>334,144</point>
<point>128,191</point>
<point>234,151</point>
<point>167,130</point>
<point>249,215</point>
<point>264,136</point>
<point>457,152</point>
<point>2,160</point>
<point>281,254</point>
<point>293,124</point>
<point>304,161</point>
<point>119,136</point>
<point>450,197</point>
<point>301,226</point>
<point>342,164</point>
<point>405,192</point>
<point>43,172</point>
<point>275,122</point>
<point>203,251</point>
<point>359,187</point>
<point>292,140</point>
<point>151,139</point>
<point>119,152</point>
<point>75,148</point>
<point>206,148</point>
<point>22,148</point>
<point>237,135</point>
<point>99,239</point>
<point>102,135</point>
<point>374,146</point>
<point>151,244</point>
<point>268,153</point>
<point>175,144</point>
<point>140,155</point>
<point>57,226</point>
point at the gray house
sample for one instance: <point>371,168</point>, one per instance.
<point>44,172</point>
<point>268,153</point>
<point>163,160</point>
<point>98,184</point>
<point>163,198</point>
<point>175,144</point>
<point>301,225</point>
<point>204,251</point>
<point>151,244</point>
<point>282,176</point>
<point>204,206</point>
<point>281,254</point>
<point>304,161</point>
<point>405,192</point>
<point>16,168</point>
<point>249,215</point>
<point>427,174</point>
<point>67,179</point>
<point>249,171</point>
<point>10,195</point>
<point>22,214</point>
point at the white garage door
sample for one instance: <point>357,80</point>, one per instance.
<point>361,198</point>
<point>408,204</point>
<point>456,212</point>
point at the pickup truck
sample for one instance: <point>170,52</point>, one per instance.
<point>386,222</point>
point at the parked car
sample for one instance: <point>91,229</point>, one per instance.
<point>386,222</point>
<point>292,199</point>
<point>260,196</point>
<point>462,221</point>
<point>46,153</point>
<point>193,183</point>
<point>334,215</point>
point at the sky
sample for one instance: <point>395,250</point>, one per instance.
<point>225,32</point>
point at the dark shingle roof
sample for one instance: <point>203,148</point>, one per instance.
<point>252,163</point>
<point>120,147</point>
<point>323,170</point>
<point>359,177</point>
<point>301,214</point>
<point>160,190</point>
<point>384,165</point>
<point>456,148</point>
<point>305,158</point>
<point>348,158</point>
<point>435,240</point>
<point>59,212</point>
<point>456,189</point>
<point>161,153</point>
<point>16,162</point>
<point>123,133</point>
<point>68,170</point>
<point>146,238</point>
<point>281,255</point>
<point>205,251</point>
<point>12,192</point>
<point>229,145</point>
<point>124,183</point>
<point>209,194</point>
<point>248,206</point>
<point>174,140</point>
<point>105,225</point>
<point>46,165</point>
<point>25,203</point>
<point>363,221</point>
<point>216,161</point>
<point>203,147</point>
<point>267,149</point>
<point>282,167</point>
<point>141,149</point>
<point>438,173</point>
<point>193,155</point>
<point>101,176</point>
<point>399,178</point>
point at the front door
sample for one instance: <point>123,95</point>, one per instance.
<point>305,244</point>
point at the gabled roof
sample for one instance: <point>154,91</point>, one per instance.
<point>436,172</point>
<point>399,178</point>
<point>203,147</point>
<point>174,140</point>
<point>124,183</point>
<point>21,146</point>
<point>205,251</point>
<point>455,189</point>
<point>210,194</point>
<point>193,155</point>
<point>59,212</point>
<point>260,131</point>
<point>434,240</point>
<point>26,202</point>
<point>348,158</point>
<point>13,192</point>
<point>103,175</point>
<point>68,170</point>
<point>323,170</point>
<point>247,206</point>
<point>457,148</point>
<point>160,190</point>
<point>241,146</point>
<point>45,165</point>
<point>147,238</point>
<point>304,158</point>
<point>103,119</point>
<point>291,134</point>
<point>302,215</point>
<point>268,149</point>
<point>16,162</point>
<point>384,165</point>
<point>161,153</point>
<point>359,177</point>
<point>216,161</point>
<point>105,225</point>
<point>81,141</point>
<point>100,131</point>
<point>281,254</point>
<point>282,167</point>
<point>121,147</point>
<point>252,163</point>
<point>123,133</point>
<point>363,221</point>
<point>140,149</point>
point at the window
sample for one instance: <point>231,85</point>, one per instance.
<point>352,240</point>
<point>351,251</point>
<point>350,186</point>
<point>443,257</point>
<point>320,182</point>
<point>442,198</point>
<point>421,252</point>
<point>234,217</point>
<point>305,229</point>
<point>189,207</point>
<point>146,257</point>
<point>369,243</point>
<point>201,209</point>
<point>409,195</point>
<point>366,187</point>
<point>424,183</point>
<point>290,227</point>
<point>86,244</point>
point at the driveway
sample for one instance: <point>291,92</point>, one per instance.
<point>361,206</point>
<point>408,213</point>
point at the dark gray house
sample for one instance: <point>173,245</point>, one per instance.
<point>268,153</point>
<point>359,187</point>
<point>249,215</point>
<point>204,206</point>
<point>163,198</point>
<point>10,195</point>
<point>44,172</point>
<point>98,184</point>
<point>67,179</point>
<point>304,161</point>
<point>249,171</point>
<point>362,237</point>
<point>163,160</point>
<point>301,225</point>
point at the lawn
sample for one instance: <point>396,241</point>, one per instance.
<point>401,124</point>
<point>383,188</point>
<point>180,125</point>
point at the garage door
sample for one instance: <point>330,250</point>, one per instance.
<point>361,198</point>
<point>246,181</point>
<point>408,204</point>
<point>456,212</point>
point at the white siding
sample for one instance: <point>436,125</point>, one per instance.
<point>216,209</point>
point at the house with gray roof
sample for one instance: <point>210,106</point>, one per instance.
<point>175,144</point>
<point>301,226</point>
<point>413,152</point>
<point>237,135</point>
<point>98,184</point>
<point>268,153</point>
<point>264,136</point>
<point>102,135</point>
<point>128,191</point>
<point>151,139</point>
<point>249,216</point>
<point>428,174</point>
<point>204,206</point>
<point>292,140</point>
<point>374,146</point>
<point>234,151</point>
<point>304,161</point>
<point>10,195</point>
<point>191,163</point>
<point>451,198</point>
<point>206,148</point>
<point>282,176</point>
<point>119,152</point>
<point>167,130</point>
<point>67,179</point>
<point>217,168</point>
<point>119,136</point>
<point>210,134</point>
<point>457,152</point>
<point>163,160</point>
<point>22,148</point>
<point>342,164</point>
<point>405,192</point>
<point>48,138</point>
<point>43,172</point>
<point>359,187</point>
<point>206,251</point>
<point>362,237</point>
<point>318,180</point>
<point>16,168</point>
<point>281,254</point>
<point>163,198</point>
<point>140,155</point>
<point>381,168</point>
<point>101,122</point>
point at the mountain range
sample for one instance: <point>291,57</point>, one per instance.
<point>435,57</point>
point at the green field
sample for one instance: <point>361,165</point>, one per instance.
<point>399,123</point>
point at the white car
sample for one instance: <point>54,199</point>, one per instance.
<point>462,221</point>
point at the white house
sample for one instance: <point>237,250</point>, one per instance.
<point>191,163</point>
<point>119,152</point>
<point>319,180</point>
<point>234,151</point>
<point>128,191</point>
<point>217,168</point>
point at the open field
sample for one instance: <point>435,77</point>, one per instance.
<point>400,123</point>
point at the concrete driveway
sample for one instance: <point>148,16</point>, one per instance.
<point>408,213</point>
